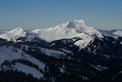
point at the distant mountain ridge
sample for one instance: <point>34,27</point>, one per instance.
<point>70,29</point>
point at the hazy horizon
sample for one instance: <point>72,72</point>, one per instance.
<point>32,14</point>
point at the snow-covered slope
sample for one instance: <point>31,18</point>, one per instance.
<point>117,32</point>
<point>54,53</point>
<point>84,42</point>
<point>9,53</point>
<point>13,34</point>
<point>28,70</point>
<point>77,28</point>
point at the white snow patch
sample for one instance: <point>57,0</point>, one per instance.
<point>61,70</point>
<point>99,67</point>
<point>54,53</point>
<point>84,42</point>
<point>28,70</point>
<point>67,51</point>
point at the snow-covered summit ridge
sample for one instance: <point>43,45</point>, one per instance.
<point>18,31</point>
<point>13,34</point>
<point>73,24</point>
<point>70,29</point>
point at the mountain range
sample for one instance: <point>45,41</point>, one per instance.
<point>69,52</point>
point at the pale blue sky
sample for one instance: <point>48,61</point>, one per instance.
<point>31,14</point>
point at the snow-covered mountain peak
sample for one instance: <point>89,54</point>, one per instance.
<point>117,32</point>
<point>13,34</point>
<point>69,24</point>
<point>80,22</point>
<point>17,30</point>
<point>70,29</point>
<point>80,26</point>
<point>73,24</point>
